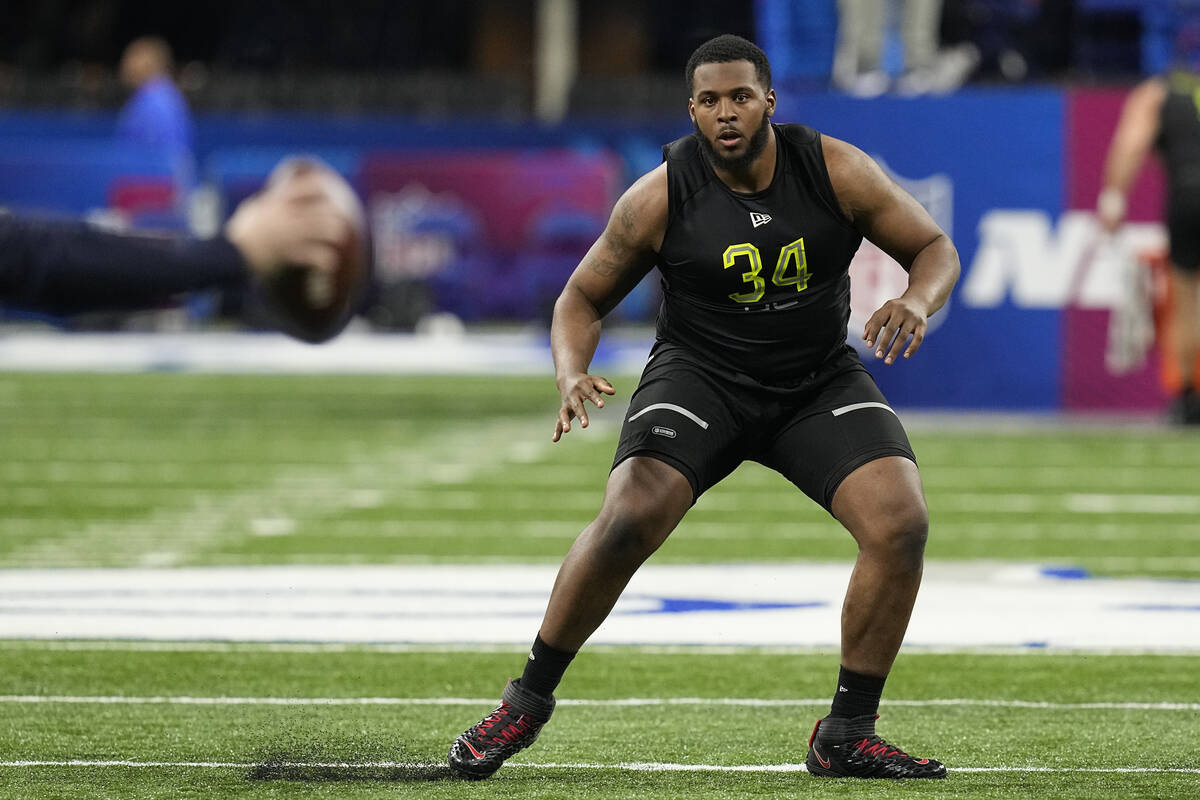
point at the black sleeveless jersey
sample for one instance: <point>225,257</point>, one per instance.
<point>756,284</point>
<point>1179,141</point>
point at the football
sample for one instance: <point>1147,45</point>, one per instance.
<point>316,306</point>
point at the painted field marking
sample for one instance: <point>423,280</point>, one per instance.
<point>629,766</point>
<point>756,605</point>
<point>623,702</point>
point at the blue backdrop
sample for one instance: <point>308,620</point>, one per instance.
<point>998,148</point>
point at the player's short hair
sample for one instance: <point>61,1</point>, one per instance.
<point>725,48</point>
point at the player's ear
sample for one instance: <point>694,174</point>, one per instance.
<point>692,109</point>
<point>770,102</point>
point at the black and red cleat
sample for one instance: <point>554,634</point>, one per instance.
<point>514,725</point>
<point>850,748</point>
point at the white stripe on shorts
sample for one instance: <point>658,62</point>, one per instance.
<point>671,407</point>
<point>837,412</point>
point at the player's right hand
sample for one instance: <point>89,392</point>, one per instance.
<point>576,390</point>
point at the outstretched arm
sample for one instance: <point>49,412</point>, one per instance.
<point>617,261</point>
<point>1136,131</point>
<point>65,266</point>
<point>892,219</point>
<point>68,266</point>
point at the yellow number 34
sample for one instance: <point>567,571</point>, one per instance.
<point>788,254</point>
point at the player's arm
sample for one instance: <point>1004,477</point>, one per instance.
<point>618,260</point>
<point>1136,131</point>
<point>68,266</point>
<point>892,219</point>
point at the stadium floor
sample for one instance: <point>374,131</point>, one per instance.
<point>172,501</point>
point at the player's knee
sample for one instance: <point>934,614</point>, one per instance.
<point>907,534</point>
<point>899,536</point>
<point>631,535</point>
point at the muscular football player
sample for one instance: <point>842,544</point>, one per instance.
<point>753,226</point>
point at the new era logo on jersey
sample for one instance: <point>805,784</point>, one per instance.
<point>759,219</point>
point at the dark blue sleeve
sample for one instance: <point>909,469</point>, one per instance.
<point>63,267</point>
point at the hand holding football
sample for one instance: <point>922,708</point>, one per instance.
<point>305,239</point>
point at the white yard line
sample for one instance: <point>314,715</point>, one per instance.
<point>618,702</point>
<point>628,766</point>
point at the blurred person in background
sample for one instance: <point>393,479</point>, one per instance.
<point>1163,113</point>
<point>859,68</point>
<point>67,267</point>
<point>753,226</point>
<point>157,113</point>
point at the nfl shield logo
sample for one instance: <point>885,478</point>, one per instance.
<point>874,277</point>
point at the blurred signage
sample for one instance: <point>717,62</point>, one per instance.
<point>1023,258</point>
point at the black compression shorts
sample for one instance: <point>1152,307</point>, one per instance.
<point>705,425</point>
<point>1183,233</point>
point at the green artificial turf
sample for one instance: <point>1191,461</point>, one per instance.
<point>237,744</point>
<point>173,469</point>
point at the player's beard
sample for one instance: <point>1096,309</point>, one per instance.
<point>754,148</point>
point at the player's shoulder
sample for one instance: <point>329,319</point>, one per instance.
<point>643,208</point>
<point>855,178</point>
<point>844,161</point>
<point>650,186</point>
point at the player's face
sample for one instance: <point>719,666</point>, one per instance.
<point>731,111</point>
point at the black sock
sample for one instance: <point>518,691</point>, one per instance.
<point>544,668</point>
<point>857,694</point>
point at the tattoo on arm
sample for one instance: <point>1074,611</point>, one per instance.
<point>603,266</point>
<point>627,217</point>
<point>619,247</point>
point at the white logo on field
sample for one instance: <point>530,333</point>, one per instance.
<point>759,219</point>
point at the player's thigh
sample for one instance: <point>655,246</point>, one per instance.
<point>1183,235</point>
<point>687,419</point>
<point>848,425</point>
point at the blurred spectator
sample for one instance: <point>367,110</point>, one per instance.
<point>1162,112</point>
<point>859,63</point>
<point>157,113</point>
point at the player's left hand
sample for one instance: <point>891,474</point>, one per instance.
<point>896,323</point>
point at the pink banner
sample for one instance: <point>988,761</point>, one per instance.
<point>1088,384</point>
<point>509,191</point>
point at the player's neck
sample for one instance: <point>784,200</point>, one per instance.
<point>757,175</point>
